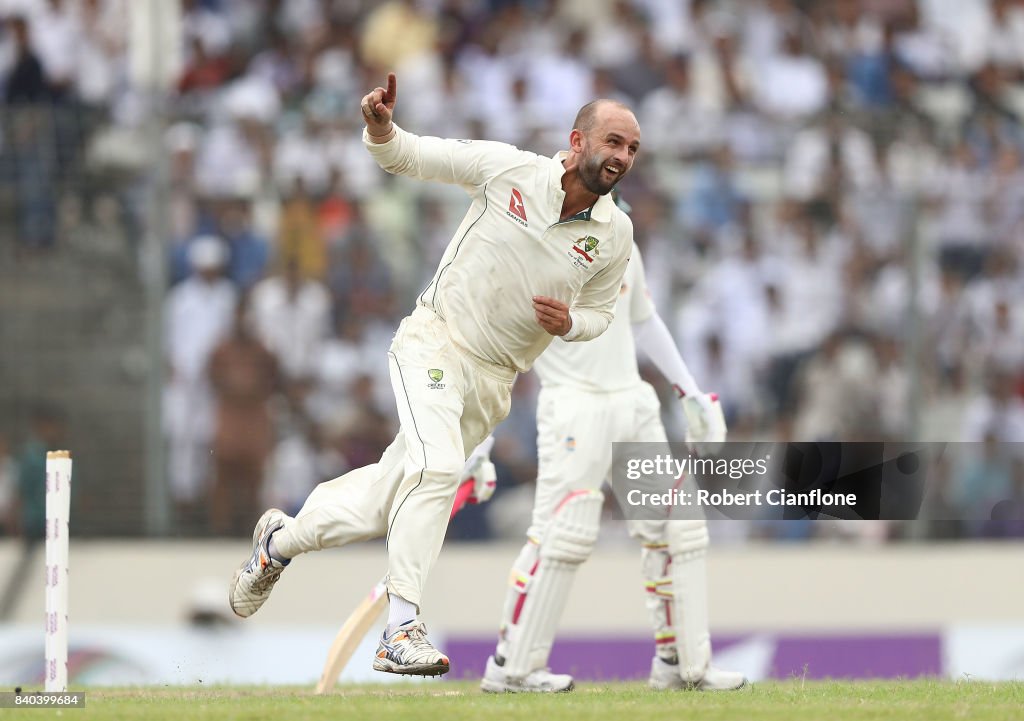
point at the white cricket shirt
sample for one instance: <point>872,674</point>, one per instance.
<point>607,363</point>
<point>511,246</point>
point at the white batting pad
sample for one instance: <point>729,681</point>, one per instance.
<point>568,541</point>
<point>688,543</point>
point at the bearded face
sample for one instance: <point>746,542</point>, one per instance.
<point>599,169</point>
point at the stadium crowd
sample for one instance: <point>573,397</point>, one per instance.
<point>829,197</point>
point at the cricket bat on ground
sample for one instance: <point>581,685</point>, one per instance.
<point>366,615</point>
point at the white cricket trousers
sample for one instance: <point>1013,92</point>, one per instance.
<point>448,402</point>
<point>575,433</point>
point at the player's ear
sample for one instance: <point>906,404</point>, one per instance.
<point>576,140</point>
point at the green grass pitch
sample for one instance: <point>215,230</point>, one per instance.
<point>793,700</point>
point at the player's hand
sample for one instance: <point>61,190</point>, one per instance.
<point>705,422</point>
<point>378,106</point>
<point>552,315</point>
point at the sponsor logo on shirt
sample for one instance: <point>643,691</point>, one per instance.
<point>435,375</point>
<point>517,208</point>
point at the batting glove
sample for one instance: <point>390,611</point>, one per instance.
<point>705,422</point>
<point>480,470</point>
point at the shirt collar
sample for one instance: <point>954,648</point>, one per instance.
<point>601,211</point>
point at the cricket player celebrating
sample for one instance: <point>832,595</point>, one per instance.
<point>592,396</point>
<point>541,253</point>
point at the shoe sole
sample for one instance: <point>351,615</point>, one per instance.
<point>415,669</point>
<point>665,686</point>
<point>743,685</point>
<point>256,533</point>
<point>498,687</point>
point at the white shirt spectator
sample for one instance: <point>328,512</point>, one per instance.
<point>808,159</point>
<point>101,60</point>
<point>299,155</point>
<point>790,86</point>
<point>227,164</point>
<point>199,310</point>
<point>56,33</point>
<point>211,28</point>
<point>561,83</point>
<point>292,323</point>
<point>489,79</point>
<point>962,26</point>
<point>963,189</point>
<point>1004,35</point>
<point>994,414</point>
<point>675,124</point>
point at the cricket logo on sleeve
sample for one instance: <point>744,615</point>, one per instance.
<point>586,250</point>
<point>435,375</point>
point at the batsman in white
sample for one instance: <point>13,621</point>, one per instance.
<point>592,396</point>
<point>541,253</point>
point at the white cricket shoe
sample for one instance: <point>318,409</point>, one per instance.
<point>407,651</point>
<point>495,680</point>
<point>255,579</point>
<point>665,677</point>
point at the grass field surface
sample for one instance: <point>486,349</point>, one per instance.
<point>453,701</point>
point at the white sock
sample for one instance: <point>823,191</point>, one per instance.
<point>400,612</point>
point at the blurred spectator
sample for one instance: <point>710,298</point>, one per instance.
<point>26,82</point>
<point>292,317</point>
<point>826,160</point>
<point>361,281</point>
<point>203,72</point>
<point>248,251</point>
<point>244,377</point>
<point>714,201</point>
<point>962,231</point>
<point>198,317</point>
<point>830,386</point>
<point>984,477</point>
<point>104,37</point>
<point>790,84</point>
<point>55,36</point>
<point>397,31</point>
<point>676,124</point>
<point>997,413</point>
<point>278,66</point>
<point>300,245</point>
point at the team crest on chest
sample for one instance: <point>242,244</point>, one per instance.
<point>583,251</point>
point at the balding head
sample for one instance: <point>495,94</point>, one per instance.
<point>603,143</point>
<point>593,112</point>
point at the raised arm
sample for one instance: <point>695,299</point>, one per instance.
<point>469,163</point>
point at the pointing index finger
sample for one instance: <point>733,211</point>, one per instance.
<point>392,92</point>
